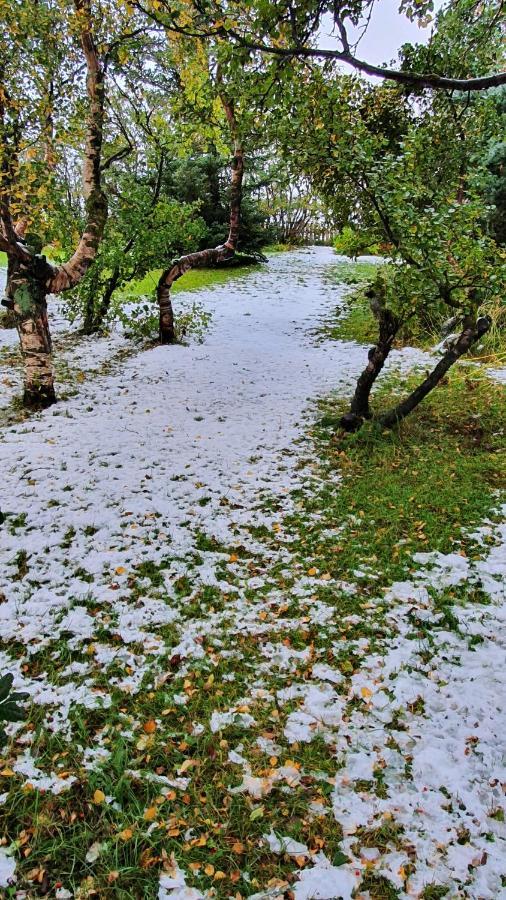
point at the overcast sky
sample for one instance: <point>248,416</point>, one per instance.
<point>387,32</point>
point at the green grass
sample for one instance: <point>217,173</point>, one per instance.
<point>352,320</point>
<point>194,280</point>
<point>356,323</point>
<point>278,248</point>
<point>413,488</point>
<point>352,272</point>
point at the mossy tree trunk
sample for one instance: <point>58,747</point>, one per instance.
<point>26,297</point>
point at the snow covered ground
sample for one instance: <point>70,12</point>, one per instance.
<point>175,443</point>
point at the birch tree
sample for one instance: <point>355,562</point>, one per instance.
<point>30,276</point>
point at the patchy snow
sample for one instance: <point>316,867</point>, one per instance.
<point>173,886</point>
<point>443,768</point>
<point>7,868</point>
<point>327,882</point>
<point>285,844</point>
<point>498,374</point>
<point>125,505</point>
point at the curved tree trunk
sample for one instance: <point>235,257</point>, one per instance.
<point>388,325</point>
<point>96,314</point>
<point>472,332</point>
<point>204,258</point>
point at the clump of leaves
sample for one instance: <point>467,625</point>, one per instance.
<point>140,318</point>
<point>10,711</point>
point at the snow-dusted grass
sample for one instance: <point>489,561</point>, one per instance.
<point>245,680</point>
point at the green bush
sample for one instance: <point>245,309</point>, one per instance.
<point>350,242</point>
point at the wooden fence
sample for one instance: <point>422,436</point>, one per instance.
<point>317,234</point>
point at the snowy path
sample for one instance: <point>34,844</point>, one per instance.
<point>173,427</point>
<point>126,503</point>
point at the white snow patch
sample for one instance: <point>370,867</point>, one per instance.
<point>7,868</point>
<point>327,882</point>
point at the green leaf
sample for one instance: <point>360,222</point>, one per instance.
<point>340,858</point>
<point>5,685</point>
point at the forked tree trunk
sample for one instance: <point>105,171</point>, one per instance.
<point>88,326</point>
<point>204,258</point>
<point>472,332</point>
<point>388,325</point>
<point>105,301</point>
<point>95,316</point>
<point>30,277</point>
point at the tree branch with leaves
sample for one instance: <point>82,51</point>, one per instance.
<point>223,252</point>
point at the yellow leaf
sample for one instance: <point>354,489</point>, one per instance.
<point>98,796</point>
<point>188,763</point>
<point>7,773</point>
<point>209,869</point>
<point>219,876</point>
<point>146,740</point>
<point>326,576</point>
<point>150,813</point>
<point>126,834</point>
<point>120,570</point>
<point>366,693</point>
<point>312,571</point>
<point>237,847</point>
